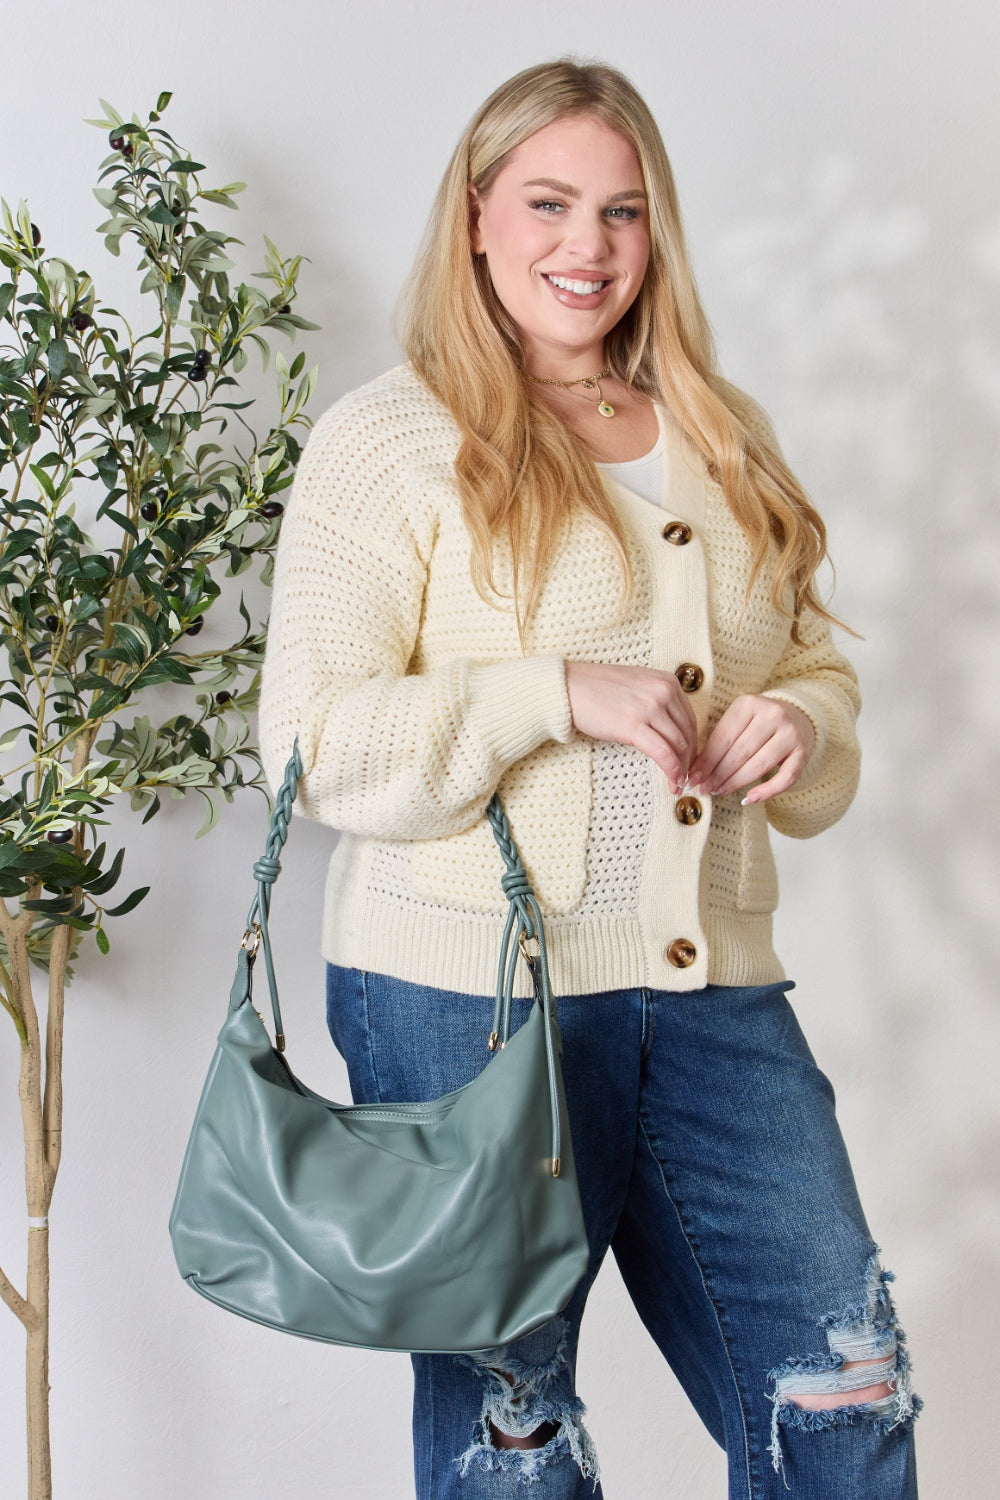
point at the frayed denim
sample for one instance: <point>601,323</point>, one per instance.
<point>711,1164</point>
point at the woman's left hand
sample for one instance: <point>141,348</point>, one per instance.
<point>755,736</point>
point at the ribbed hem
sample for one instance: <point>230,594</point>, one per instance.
<point>454,952</point>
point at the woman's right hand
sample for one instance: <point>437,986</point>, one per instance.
<point>635,706</point>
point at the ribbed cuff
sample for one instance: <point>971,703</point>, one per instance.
<point>519,705</point>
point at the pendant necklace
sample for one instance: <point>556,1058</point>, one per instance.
<point>590,382</point>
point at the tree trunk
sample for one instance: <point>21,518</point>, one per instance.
<point>37,1368</point>
<point>41,1094</point>
<point>41,1111</point>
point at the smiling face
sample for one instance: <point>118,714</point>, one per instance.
<point>564,228</point>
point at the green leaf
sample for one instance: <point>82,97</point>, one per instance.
<point>160,214</point>
<point>103,941</point>
<point>175,295</point>
<point>10,852</point>
<point>21,542</point>
<point>44,481</point>
<point>157,439</point>
<point>55,906</point>
<point>57,355</point>
<point>166,669</point>
<point>211,817</point>
<point>107,701</point>
<point>129,903</point>
<point>186,166</point>
<point>163,100</point>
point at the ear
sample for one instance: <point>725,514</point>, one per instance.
<point>475,210</point>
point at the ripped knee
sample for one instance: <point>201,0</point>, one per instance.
<point>531,1417</point>
<point>538,1438</point>
<point>863,1376</point>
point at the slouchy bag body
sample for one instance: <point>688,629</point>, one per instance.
<point>444,1227</point>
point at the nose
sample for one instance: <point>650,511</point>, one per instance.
<point>587,239</point>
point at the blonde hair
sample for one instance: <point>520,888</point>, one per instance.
<point>521,471</point>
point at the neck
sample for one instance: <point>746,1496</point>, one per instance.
<point>551,366</point>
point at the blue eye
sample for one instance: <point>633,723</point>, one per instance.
<point>546,205</point>
<point>623,214</point>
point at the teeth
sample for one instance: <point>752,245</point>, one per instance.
<point>581,288</point>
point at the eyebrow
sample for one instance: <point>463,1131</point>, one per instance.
<point>574,192</point>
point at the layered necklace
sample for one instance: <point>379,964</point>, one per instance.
<point>589,382</point>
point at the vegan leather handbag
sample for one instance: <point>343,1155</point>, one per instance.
<point>444,1227</point>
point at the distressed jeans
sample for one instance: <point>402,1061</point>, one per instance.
<point>711,1164</point>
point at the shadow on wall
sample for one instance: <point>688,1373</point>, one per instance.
<point>876,335</point>
<point>883,334</point>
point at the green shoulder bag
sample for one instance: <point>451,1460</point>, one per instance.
<point>445,1227</point>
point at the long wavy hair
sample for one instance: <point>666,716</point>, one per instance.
<point>521,471</point>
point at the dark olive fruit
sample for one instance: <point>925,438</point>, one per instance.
<point>149,511</point>
<point>161,495</point>
<point>36,235</point>
<point>200,366</point>
<point>272,510</point>
<point>196,627</point>
<point>51,622</point>
<point>117,142</point>
<point>81,320</point>
<point>286,309</point>
<point>127,149</point>
<point>60,836</point>
<point>223,697</point>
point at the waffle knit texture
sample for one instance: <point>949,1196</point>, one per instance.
<point>413,702</point>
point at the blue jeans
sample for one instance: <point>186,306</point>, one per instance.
<point>711,1163</point>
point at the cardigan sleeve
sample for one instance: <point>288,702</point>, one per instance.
<point>387,753</point>
<point>814,677</point>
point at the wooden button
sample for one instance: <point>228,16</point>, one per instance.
<point>681,953</point>
<point>677,533</point>
<point>689,676</point>
<point>687,810</point>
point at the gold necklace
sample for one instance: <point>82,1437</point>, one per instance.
<point>592,383</point>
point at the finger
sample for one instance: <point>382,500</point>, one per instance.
<point>756,740</point>
<point>663,754</point>
<point>783,780</point>
<point>676,707</point>
<point>734,723</point>
<point>675,723</point>
<point>754,754</point>
<point>679,725</point>
<point>751,768</point>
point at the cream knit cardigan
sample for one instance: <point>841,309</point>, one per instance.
<point>413,702</point>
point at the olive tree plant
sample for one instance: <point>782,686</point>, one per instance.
<point>132,485</point>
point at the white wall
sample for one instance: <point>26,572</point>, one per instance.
<point>838,166</point>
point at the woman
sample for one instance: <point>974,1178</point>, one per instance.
<point>556,554</point>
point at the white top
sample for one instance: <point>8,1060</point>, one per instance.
<point>643,476</point>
